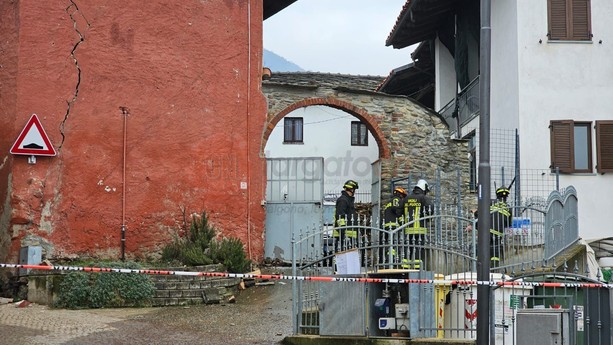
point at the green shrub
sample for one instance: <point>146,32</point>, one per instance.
<point>191,249</point>
<point>199,247</point>
<point>230,252</point>
<point>200,231</point>
<point>97,290</point>
<point>193,254</point>
<point>172,251</point>
<point>75,291</point>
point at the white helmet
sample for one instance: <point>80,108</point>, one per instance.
<point>423,185</point>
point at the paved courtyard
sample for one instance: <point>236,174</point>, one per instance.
<point>261,315</point>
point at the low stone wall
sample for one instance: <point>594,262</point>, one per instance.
<point>184,290</point>
<point>43,287</point>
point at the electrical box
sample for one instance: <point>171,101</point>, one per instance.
<point>382,305</point>
<point>402,310</point>
<point>30,255</point>
<point>543,326</point>
<point>402,316</point>
<point>387,323</point>
<point>410,305</point>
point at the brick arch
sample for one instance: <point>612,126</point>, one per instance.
<point>367,119</point>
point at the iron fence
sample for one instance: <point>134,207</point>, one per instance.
<point>438,297</point>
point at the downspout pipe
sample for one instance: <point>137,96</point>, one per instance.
<point>248,128</point>
<point>125,112</point>
<point>484,188</point>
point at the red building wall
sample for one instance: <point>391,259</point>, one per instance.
<point>183,77</point>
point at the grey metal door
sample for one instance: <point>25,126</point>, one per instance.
<point>294,196</point>
<point>341,309</point>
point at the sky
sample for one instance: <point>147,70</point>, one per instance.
<point>337,36</point>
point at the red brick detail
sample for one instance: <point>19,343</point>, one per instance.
<point>369,120</point>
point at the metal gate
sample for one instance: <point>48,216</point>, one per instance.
<point>294,196</point>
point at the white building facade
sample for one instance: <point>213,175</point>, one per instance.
<point>551,82</point>
<point>347,147</point>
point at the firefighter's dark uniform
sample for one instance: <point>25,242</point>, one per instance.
<point>393,217</point>
<point>416,206</point>
<point>393,213</point>
<point>344,215</point>
<point>500,219</point>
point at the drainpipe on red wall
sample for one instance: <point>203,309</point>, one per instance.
<point>125,112</point>
<point>248,139</point>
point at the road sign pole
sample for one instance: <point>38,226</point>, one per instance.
<point>483,251</point>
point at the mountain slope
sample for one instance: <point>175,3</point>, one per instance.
<point>278,63</point>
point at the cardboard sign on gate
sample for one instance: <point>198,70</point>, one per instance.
<point>348,262</point>
<point>33,140</point>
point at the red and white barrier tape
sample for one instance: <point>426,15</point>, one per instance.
<point>312,278</point>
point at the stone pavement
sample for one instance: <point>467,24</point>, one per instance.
<point>261,315</point>
<point>38,324</point>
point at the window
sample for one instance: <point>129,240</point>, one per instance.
<point>604,146</point>
<point>359,134</point>
<point>569,20</point>
<point>292,130</point>
<point>571,146</point>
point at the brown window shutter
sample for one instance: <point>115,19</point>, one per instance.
<point>581,20</point>
<point>558,20</point>
<point>604,146</point>
<point>562,145</point>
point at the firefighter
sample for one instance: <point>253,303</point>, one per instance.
<point>345,215</point>
<point>417,205</point>
<point>393,217</point>
<point>500,218</point>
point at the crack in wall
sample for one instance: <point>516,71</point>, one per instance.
<point>4,162</point>
<point>73,11</point>
<point>45,222</point>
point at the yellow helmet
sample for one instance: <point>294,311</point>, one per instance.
<point>400,190</point>
<point>351,184</point>
<point>502,192</point>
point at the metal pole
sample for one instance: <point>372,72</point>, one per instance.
<point>517,171</point>
<point>125,112</point>
<point>295,318</point>
<point>483,251</point>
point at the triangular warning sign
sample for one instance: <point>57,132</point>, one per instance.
<point>33,140</point>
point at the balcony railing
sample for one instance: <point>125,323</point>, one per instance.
<point>466,110</point>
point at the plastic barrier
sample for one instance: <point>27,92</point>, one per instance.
<point>452,282</point>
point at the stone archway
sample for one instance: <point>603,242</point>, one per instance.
<point>411,138</point>
<point>362,115</point>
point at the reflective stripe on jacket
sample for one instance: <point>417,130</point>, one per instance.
<point>345,215</point>
<point>416,206</point>
<point>393,213</point>
<point>500,218</point>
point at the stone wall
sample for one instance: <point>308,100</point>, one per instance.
<point>43,288</point>
<point>186,290</point>
<point>412,139</point>
<point>152,110</point>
